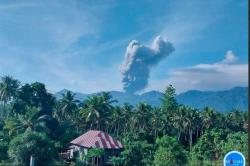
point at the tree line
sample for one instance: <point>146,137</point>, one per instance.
<point>33,122</point>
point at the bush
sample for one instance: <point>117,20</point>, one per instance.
<point>31,143</point>
<point>169,152</point>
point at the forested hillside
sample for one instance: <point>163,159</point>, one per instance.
<point>34,123</point>
<point>222,101</point>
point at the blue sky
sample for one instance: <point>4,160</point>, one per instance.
<point>80,45</point>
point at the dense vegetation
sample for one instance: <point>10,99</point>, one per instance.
<point>34,123</point>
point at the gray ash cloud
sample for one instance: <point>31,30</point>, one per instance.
<point>139,60</point>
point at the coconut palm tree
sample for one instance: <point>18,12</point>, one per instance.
<point>67,106</point>
<point>91,111</point>
<point>156,121</point>
<point>127,112</point>
<point>116,119</point>
<point>8,88</point>
<point>29,121</point>
<point>235,120</point>
<point>208,117</point>
<point>180,121</point>
<point>142,116</point>
<point>192,116</point>
<point>96,109</point>
<point>107,98</point>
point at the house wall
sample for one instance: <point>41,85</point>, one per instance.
<point>102,161</point>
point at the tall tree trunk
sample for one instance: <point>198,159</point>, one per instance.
<point>179,134</point>
<point>197,133</point>
<point>190,139</point>
<point>32,161</point>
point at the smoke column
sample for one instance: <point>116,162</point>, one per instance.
<point>139,60</point>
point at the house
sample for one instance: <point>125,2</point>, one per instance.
<point>95,139</point>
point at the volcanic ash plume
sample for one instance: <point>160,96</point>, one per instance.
<point>139,59</point>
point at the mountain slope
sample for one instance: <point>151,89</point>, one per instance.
<point>220,100</point>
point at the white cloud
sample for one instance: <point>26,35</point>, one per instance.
<point>230,57</point>
<point>216,76</point>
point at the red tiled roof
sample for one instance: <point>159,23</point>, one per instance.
<point>97,139</point>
